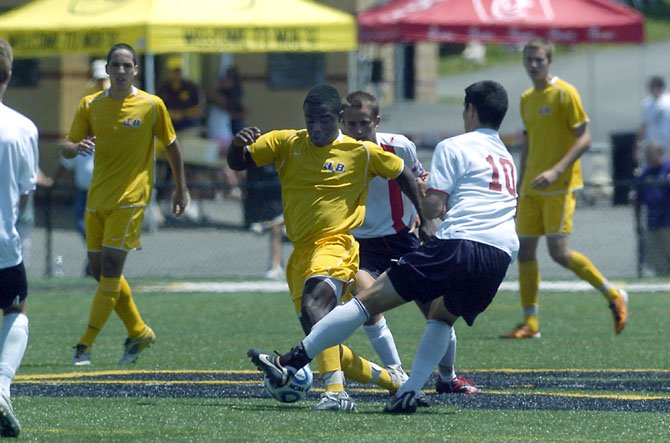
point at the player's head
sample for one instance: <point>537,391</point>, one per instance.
<point>488,99</point>
<point>537,57</point>
<point>361,116</point>
<point>322,108</point>
<point>6,59</point>
<point>121,65</point>
<point>656,85</point>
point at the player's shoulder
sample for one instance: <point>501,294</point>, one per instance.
<point>11,116</point>
<point>564,86</point>
<point>393,139</point>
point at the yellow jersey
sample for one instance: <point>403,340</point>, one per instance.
<point>125,131</point>
<point>550,115</point>
<point>324,188</point>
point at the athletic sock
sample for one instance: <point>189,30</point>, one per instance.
<point>432,347</point>
<point>446,367</point>
<point>13,341</point>
<point>584,269</point>
<point>335,327</point>
<point>529,287</point>
<point>382,342</point>
<point>330,369</point>
<point>103,304</point>
<point>358,369</point>
<point>127,311</point>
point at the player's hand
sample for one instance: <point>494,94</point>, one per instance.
<point>544,179</point>
<point>422,184</point>
<point>426,230</point>
<point>246,136</point>
<point>180,199</point>
<point>86,146</point>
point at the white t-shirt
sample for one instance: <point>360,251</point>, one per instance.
<point>656,118</point>
<point>18,176</point>
<point>82,167</point>
<point>388,210</point>
<point>478,173</point>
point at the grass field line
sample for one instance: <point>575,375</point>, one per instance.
<point>278,286</point>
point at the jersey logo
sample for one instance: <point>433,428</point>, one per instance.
<point>333,167</point>
<point>132,122</point>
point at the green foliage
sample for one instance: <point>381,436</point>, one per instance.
<point>213,331</point>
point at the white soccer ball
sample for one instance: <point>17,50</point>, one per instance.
<point>295,390</point>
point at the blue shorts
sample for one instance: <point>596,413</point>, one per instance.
<point>378,253</point>
<point>466,274</point>
<point>13,286</point>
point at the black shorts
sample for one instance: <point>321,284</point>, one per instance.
<point>466,274</point>
<point>13,286</point>
<point>378,253</point>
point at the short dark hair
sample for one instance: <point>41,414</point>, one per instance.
<point>6,59</point>
<point>490,100</point>
<point>657,82</point>
<point>361,99</point>
<point>125,46</point>
<point>540,43</point>
<point>324,95</point>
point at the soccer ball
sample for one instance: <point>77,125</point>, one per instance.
<point>295,390</point>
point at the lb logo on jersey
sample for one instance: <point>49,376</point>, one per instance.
<point>333,167</point>
<point>132,122</point>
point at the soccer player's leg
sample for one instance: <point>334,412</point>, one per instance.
<point>560,214</point>
<point>363,371</point>
<point>530,227</point>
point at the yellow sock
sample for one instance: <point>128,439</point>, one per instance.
<point>329,362</point>
<point>358,369</point>
<point>127,310</point>
<point>587,271</point>
<point>103,303</point>
<point>529,287</point>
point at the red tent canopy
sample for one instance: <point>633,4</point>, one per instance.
<point>501,21</point>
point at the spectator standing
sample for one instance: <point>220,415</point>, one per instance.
<point>18,176</point>
<point>655,115</point>
<point>653,187</point>
<point>555,137</point>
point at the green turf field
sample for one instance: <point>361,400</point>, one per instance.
<point>578,383</point>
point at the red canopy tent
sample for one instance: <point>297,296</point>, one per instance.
<point>501,21</point>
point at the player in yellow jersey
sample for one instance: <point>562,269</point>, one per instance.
<point>324,176</point>
<point>556,136</point>
<point>120,124</point>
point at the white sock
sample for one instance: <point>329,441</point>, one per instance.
<point>432,347</point>
<point>447,372</point>
<point>335,327</point>
<point>382,342</point>
<point>13,339</point>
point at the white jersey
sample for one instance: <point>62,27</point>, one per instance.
<point>18,176</point>
<point>656,118</point>
<point>478,174</point>
<point>387,209</point>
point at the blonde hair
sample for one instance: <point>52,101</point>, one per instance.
<point>540,43</point>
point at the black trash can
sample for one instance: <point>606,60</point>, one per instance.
<point>263,195</point>
<point>623,165</point>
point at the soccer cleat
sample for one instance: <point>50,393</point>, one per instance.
<point>399,376</point>
<point>335,401</point>
<point>459,385</point>
<point>269,364</point>
<point>9,424</point>
<point>405,404</point>
<point>133,346</point>
<point>619,307</point>
<point>81,356</point>
<point>522,331</point>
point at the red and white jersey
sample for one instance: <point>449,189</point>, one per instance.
<point>478,174</point>
<point>387,209</point>
<point>18,176</point>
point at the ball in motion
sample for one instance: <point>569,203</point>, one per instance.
<point>295,390</point>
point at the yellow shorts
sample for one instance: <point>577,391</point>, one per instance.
<point>538,215</point>
<point>118,228</point>
<point>335,256</point>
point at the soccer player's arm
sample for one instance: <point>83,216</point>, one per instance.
<point>239,157</point>
<point>78,141</point>
<point>164,131</point>
<point>579,124</point>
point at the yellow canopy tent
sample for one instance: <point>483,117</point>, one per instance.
<point>55,27</point>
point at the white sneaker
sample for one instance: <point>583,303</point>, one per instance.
<point>9,424</point>
<point>277,273</point>
<point>81,356</point>
<point>335,401</point>
<point>399,376</point>
<point>133,346</point>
